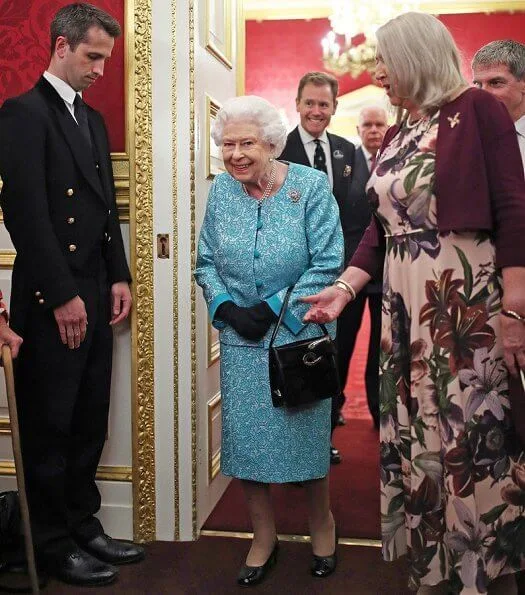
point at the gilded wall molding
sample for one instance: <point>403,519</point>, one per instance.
<point>7,259</point>
<point>286,13</point>
<point>193,289</point>
<point>351,541</point>
<point>221,49</point>
<point>281,11</point>
<point>114,473</point>
<point>174,137</point>
<point>141,233</point>
<point>120,165</point>
<point>214,457</point>
<point>241,48</point>
<point>472,7</point>
<point>104,472</point>
<point>121,174</point>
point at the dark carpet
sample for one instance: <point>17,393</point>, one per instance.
<point>210,566</point>
<point>354,490</point>
<point>354,483</point>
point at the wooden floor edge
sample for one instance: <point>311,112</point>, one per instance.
<point>354,541</point>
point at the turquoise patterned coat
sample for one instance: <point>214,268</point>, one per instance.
<point>249,252</point>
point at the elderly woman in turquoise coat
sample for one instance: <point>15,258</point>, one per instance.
<point>269,225</point>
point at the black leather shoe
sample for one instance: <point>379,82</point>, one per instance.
<point>323,566</point>
<point>113,551</point>
<point>253,575</point>
<point>335,456</point>
<point>77,567</point>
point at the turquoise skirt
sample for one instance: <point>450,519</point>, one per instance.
<point>263,443</point>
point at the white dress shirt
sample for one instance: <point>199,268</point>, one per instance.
<point>64,90</point>
<point>520,129</point>
<point>309,147</point>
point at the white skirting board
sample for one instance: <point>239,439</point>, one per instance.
<point>116,512</point>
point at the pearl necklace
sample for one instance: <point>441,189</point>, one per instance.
<point>269,186</point>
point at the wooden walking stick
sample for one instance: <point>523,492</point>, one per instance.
<point>20,479</point>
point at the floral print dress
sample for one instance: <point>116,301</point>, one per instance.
<point>452,483</point>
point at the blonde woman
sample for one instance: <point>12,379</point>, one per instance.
<point>449,235</point>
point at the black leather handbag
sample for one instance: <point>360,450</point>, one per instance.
<point>302,372</point>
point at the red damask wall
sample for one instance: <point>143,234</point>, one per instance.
<point>24,55</point>
<point>278,53</point>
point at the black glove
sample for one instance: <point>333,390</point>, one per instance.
<point>251,323</point>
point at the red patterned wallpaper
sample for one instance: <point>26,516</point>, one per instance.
<point>278,53</point>
<point>24,55</point>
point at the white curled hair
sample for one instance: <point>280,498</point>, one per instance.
<point>256,110</point>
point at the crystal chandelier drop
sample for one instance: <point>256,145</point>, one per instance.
<point>356,18</point>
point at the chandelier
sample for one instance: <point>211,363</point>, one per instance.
<point>358,21</point>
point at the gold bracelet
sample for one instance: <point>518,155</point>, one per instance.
<point>512,314</point>
<point>343,288</point>
<point>342,284</point>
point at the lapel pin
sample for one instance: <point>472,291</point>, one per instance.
<point>338,154</point>
<point>453,121</point>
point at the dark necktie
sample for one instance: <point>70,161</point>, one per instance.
<point>82,119</point>
<point>373,159</point>
<point>319,157</point>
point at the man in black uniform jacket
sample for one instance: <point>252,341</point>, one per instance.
<point>70,283</point>
<point>371,129</point>
<point>310,144</point>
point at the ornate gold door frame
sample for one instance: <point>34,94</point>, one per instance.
<point>139,128</point>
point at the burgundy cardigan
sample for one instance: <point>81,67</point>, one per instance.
<point>479,183</point>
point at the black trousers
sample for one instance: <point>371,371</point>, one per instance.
<point>63,402</point>
<point>348,325</point>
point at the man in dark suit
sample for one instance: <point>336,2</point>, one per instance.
<point>310,144</point>
<point>70,284</point>
<point>371,129</point>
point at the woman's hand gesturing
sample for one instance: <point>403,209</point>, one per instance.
<point>326,305</point>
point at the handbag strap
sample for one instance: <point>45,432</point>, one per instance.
<point>281,316</point>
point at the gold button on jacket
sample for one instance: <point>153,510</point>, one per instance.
<point>71,220</point>
<point>70,192</point>
<point>40,301</point>
<point>72,247</point>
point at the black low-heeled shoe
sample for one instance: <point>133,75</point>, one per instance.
<point>323,566</point>
<point>253,575</point>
